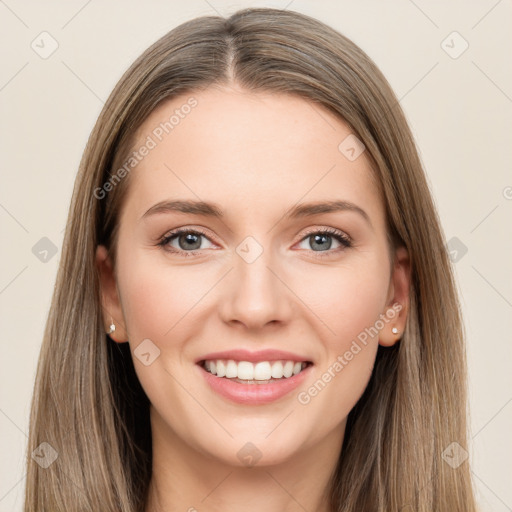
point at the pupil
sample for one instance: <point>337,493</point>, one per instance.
<point>321,245</point>
<point>190,239</point>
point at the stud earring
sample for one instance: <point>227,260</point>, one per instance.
<point>394,330</point>
<point>112,326</point>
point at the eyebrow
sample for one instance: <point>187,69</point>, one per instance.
<point>213,210</point>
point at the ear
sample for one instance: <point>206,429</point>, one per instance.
<point>110,303</point>
<point>397,306</point>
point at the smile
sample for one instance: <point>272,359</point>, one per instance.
<point>253,383</point>
<point>247,372</point>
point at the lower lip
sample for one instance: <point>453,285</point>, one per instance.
<point>254,394</point>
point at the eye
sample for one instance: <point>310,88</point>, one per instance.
<point>188,242</point>
<point>184,240</point>
<point>322,241</point>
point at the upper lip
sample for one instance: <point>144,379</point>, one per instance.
<point>260,355</point>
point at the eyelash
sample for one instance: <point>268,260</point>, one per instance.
<point>341,237</point>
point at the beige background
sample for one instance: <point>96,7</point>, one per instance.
<point>460,110</point>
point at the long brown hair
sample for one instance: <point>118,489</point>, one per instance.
<point>88,405</point>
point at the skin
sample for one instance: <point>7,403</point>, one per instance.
<point>256,155</point>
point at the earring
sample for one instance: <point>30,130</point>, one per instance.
<point>394,330</point>
<point>112,326</point>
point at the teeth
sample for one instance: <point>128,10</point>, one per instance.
<point>261,371</point>
<point>221,369</point>
<point>231,370</point>
<point>277,370</point>
<point>288,369</point>
<point>245,370</point>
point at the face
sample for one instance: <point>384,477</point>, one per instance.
<point>257,275</point>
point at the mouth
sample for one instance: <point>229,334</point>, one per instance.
<point>254,382</point>
<point>256,373</point>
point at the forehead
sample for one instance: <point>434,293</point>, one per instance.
<point>252,150</point>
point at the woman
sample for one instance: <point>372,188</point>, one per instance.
<point>252,228</point>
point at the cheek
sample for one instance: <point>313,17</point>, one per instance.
<point>345,300</point>
<point>161,303</point>
<point>348,304</point>
<point>343,374</point>
<point>159,299</point>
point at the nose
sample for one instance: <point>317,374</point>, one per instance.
<point>255,293</point>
